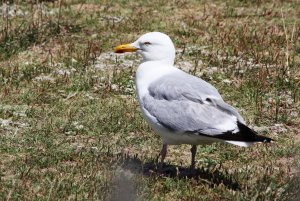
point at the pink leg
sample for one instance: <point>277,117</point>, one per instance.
<point>193,150</point>
<point>163,154</point>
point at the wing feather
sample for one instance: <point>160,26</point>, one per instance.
<point>184,103</point>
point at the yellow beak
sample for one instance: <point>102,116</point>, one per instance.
<point>125,48</point>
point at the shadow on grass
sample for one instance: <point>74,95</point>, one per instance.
<point>293,192</point>
<point>209,176</point>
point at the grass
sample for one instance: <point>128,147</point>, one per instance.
<point>70,125</point>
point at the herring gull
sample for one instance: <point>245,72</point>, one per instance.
<point>182,108</point>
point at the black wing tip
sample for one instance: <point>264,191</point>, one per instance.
<point>255,137</point>
<point>252,135</point>
<point>245,134</point>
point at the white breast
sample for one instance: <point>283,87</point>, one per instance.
<point>148,72</point>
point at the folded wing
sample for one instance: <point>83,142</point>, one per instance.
<point>184,104</point>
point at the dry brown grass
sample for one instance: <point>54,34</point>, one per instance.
<point>70,126</point>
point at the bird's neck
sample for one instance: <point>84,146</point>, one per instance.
<point>167,61</point>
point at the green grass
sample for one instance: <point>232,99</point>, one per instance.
<point>70,124</point>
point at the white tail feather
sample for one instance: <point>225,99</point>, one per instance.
<point>240,143</point>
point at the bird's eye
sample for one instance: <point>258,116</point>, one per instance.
<point>147,43</point>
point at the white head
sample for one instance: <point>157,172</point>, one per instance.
<point>153,46</point>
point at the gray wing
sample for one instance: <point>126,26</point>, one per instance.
<point>180,86</point>
<point>184,103</point>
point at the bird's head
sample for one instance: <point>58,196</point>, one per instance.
<point>153,46</point>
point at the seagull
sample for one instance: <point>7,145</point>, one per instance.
<point>182,108</point>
